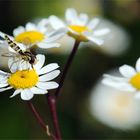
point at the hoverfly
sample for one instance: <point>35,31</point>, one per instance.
<point>26,56</point>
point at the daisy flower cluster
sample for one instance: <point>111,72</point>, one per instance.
<point>28,75</point>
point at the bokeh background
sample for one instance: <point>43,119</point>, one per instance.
<point>76,114</point>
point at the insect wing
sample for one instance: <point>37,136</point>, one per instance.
<point>14,63</point>
<point>10,54</point>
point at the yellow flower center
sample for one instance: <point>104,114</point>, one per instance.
<point>78,28</point>
<point>29,37</point>
<point>135,81</point>
<point>23,79</point>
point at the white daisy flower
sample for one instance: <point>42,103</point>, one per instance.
<point>36,34</point>
<point>30,81</point>
<point>79,27</point>
<point>130,80</point>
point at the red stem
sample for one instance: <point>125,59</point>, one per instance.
<point>67,66</point>
<point>52,104</point>
<point>40,120</point>
<point>52,99</point>
<point>37,116</point>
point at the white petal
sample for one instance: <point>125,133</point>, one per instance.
<point>84,18</point>
<point>30,27</point>
<point>15,93</point>
<point>109,82</point>
<point>71,15</point>
<point>52,38</point>
<point>101,32</point>
<point>48,68</point>
<point>43,25</point>
<point>56,32</point>
<point>138,65</point>
<point>3,80</point>
<point>56,23</point>
<point>13,64</point>
<point>43,22</point>
<point>17,63</point>
<point>3,89</point>
<point>47,85</point>
<point>55,35</point>
<point>18,30</point>
<point>127,71</point>
<point>42,29</point>
<point>1,42</point>
<point>96,40</point>
<point>2,35</point>
<point>119,85</point>
<point>2,73</point>
<point>137,95</point>
<point>24,65</point>
<point>48,45</point>
<point>115,78</point>
<point>93,23</point>
<point>26,94</point>
<point>3,85</point>
<point>10,61</point>
<point>40,61</point>
<point>36,90</point>
<point>49,76</point>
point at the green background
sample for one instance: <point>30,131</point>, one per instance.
<point>16,120</point>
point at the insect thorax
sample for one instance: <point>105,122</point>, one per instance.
<point>28,56</point>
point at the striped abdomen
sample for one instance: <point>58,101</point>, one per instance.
<point>13,45</point>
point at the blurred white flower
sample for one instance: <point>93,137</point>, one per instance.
<point>79,26</point>
<point>115,108</point>
<point>130,80</point>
